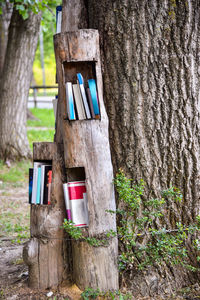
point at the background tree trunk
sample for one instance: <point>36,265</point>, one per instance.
<point>22,42</point>
<point>150,52</point>
<point>5,17</point>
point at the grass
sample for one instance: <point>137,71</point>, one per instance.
<point>14,217</point>
<point>45,118</point>
<point>17,173</point>
<point>40,136</point>
<point>14,207</point>
<point>14,222</point>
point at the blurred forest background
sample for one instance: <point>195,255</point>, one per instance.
<point>47,30</point>
<point>14,174</point>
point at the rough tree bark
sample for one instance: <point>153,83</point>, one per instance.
<point>14,86</point>
<point>150,51</point>
<point>5,17</point>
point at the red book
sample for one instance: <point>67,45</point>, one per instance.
<point>78,203</point>
<point>49,186</point>
<point>46,179</point>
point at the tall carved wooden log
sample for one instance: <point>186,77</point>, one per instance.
<point>80,151</point>
<point>87,156</point>
<point>45,253</point>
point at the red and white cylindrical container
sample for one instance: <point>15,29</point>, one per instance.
<point>78,203</point>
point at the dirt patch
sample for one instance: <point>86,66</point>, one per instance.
<point>14,277</point>
<point>14,232</point>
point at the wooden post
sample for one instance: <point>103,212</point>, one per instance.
<point>86,146</point>
<point>45,253</point>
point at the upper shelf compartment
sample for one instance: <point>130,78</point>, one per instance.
<point>77,52</point>
<point>86,68</point>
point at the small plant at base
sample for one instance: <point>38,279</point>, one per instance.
<point>76,234</point>
<point>90,293</point>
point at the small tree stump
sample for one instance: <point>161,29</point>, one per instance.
<point>45,253</point>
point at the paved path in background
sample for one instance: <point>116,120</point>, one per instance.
<point>40,128</point>
<point>42,102</point>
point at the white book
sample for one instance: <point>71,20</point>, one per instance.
<point>70,101</point>
<point>82,89</point>
<point>88,114</point>
<point>35,177</point>
<point>78,101</point>
<point>36,165</point>
<point>59,21</point>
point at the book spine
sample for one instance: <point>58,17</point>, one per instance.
<point>30,184</point>
<point>34,189</point>
<point>42,185</point>
<point>79,102</point>
<point>38,186</point>
<point>90,103</point>
<point>93,92</point>
<point>82,89</point>
<point>46,177</point>
<point>58,18</point>
<point>70,101</point>
<point>67,203</point>
<point>87,111</point>
<point>49,186</point>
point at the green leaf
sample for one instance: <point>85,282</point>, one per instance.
<point>20,7</point>
<point>24,14</point>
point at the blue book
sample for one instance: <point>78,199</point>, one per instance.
<point>38,186</point>
<point>93,92</point>
<point>70,101</point>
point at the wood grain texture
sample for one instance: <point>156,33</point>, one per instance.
<point>86,144</point>
<point>45,253</point>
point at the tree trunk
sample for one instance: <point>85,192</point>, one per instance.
<point>5,17</point>
<point>150,52</point>
<point>22,42</point>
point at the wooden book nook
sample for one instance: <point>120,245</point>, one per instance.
<point>80,151</point>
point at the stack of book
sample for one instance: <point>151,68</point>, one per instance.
<point>40,178</point>
<point>76,202</point>
<point>82,103</point>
